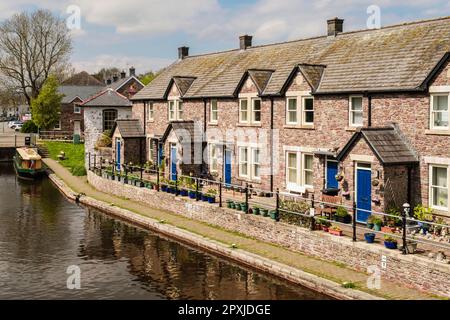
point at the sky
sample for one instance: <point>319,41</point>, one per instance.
<point>147,33</point>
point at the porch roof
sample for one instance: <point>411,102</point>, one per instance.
<point>186,131</point>
<point>129,128</point>
<point>387,143</point>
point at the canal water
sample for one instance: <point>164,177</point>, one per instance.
<point>42,234</point>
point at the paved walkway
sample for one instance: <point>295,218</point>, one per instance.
<point>324,269</point>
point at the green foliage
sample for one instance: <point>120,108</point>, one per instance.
<point>342,212</point>
<point>29,127</point>
<point>423,213</point>
<point>393,220</point>
<point>348,285</point>
<point>104,140</point>
<point>388,238</point>
<point>288,208</point>
<point>211,192</point>
<point>147,78</point>
<point>46,107</point>
<point>74,160</point>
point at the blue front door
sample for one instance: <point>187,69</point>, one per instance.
<point>332,170</point>
<point>227,168</point>
<point>363,194</point>
<point>173,163</point>
<point>118,145</point>
<point>160,153</point>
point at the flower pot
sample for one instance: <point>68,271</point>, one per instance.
<point>211,199</point>
<point>264,212</point>
<point>164,188</point>
<point>377,227</point>
<point>232,205</point>
<point>237,206</point>
<point>411,247</point>
<point>184,193</point>
<point>229,202</point>
<point>387,229</point>
<point>274,215</point>
<point>345,219</point>
<point>255,211</point>
<point>325,228</point>
<point>370,225</point>
<point>370,237</point>
<point>192,194</point>
<point>390,245</point>
<point>204,198</point>
<point>335,232</point>
<point>244,207</point>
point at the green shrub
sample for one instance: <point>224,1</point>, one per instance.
<point>29,127</point>
<point>341,212</point>
<point>423,213</point>
<point>78,171</point>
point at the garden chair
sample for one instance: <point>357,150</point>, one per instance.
<point>330,205</point>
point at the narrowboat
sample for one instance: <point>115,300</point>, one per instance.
<point>28,163</point>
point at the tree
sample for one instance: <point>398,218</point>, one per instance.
<point>46,107</point>
<point>106,73</point>
<point>148,77</point>
<point>33,46</point>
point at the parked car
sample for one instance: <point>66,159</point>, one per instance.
<point>17,127</point>
<point>14,124</point>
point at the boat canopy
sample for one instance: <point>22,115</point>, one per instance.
<point>28,154</point>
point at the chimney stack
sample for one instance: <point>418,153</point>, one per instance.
<point>335,26</point>
<point>183,52</point>
<point>132,72</point>
<point>245,41</point>
<point>108,81</point>
<point>115,78</point>
<point>123,74</point>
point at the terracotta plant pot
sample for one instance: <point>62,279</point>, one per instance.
<point>335,232</point>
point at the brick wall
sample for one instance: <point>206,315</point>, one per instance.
<point>410,270</point>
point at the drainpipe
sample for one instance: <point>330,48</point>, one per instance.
<point>204,134</point>
<point>271,143</point>
<point>409,184</point>
<point>370,111</point>
<point>145,120</point>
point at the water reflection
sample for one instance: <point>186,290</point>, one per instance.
<point>41,234</point>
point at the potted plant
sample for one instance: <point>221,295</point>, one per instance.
<point>237,206</point>
<point>244,207</point>
<point>377,223</point>
<point>370,237</point>
<point>390,242</point>
<point>255,210</point>
<point>229,202</point>
<point>211,195</point>
<point>370,221</point>
<point>324,223</point>
<point>342,215</point>
<point>339,177</point>
<point>232,205</point>
<point>274,215</point>
<point>336,231</point>
<point>423,214</point>
<point>264,212</point>
<point>192,193</point>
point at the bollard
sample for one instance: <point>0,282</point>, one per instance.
<point>406,208</point>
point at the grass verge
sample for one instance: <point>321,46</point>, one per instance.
<point>74,156</point>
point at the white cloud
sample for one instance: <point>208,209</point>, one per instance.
<point>141,63</point>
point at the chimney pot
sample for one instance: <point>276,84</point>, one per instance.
<point>115,77</point>
<point>132,71</point>
<point>183,52</point>
<point>123,74</point>
<point>108,81</point>
<point>335,26</point>
<point>245,41</point>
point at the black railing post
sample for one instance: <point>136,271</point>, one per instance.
<point>313,220</point>
<point>220,192</point>
<point>89,161</point>
<point>354,221</point>
<point>246,197</point>
<point>157,178</point>
<point>142,170</point>
<point>176,184</point>
<point>196,190</point>
<point>125,167</point>
<point>95,162</point>
<point>405,213</point>
<point>277,202</point>
<point>101,166</point>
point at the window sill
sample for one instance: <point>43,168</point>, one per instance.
<point>437,132</point>
<point>253,125</point>
<point>150,121</point>
<point>215,124</point>
<point>352,128</point>
<point>294,126</point>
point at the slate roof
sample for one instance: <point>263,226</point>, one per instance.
<point>83,92</point>
<point>183,84</point>
<point>121,81</point>
<point>129,128</point>
<point>82,79</point>
<point>387,143</point>
<point>107,98</point>
<point>399,57</point>
<point>187,131</point>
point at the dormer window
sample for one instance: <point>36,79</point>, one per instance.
<point>439,111</point>
<point>76,108</point>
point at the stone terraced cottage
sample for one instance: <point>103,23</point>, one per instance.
<point>361,113</point>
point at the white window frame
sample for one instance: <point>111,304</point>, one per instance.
<point>288,111</point>
<point>255,163</point>
<point>150,111</point>
<point>351,111</point>
<point>250,162</point>
<point>177,109</point>
<point>431,187</point>
<point>58,127</point>
<point>241,162</point>
<point>300,185</point>
<point>76,108</point>
<point>304,111</point>
<point>214,112</point>
<point>253,111</point>
<point>247,120</point>
<point>214,157</point>
<point>432,112</point>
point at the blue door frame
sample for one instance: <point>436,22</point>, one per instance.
<point>227,168</point>
<point>332,170</point>
<point>173,162</point>
<point>118,148</point>
<point>363,194</point>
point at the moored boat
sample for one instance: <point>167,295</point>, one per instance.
<point>28,163</point>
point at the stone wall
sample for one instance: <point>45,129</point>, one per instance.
<point>412,271</point>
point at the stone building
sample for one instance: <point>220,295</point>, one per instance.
<point>363,112</point>
<point>128,142</point>
<point>100,114</point>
